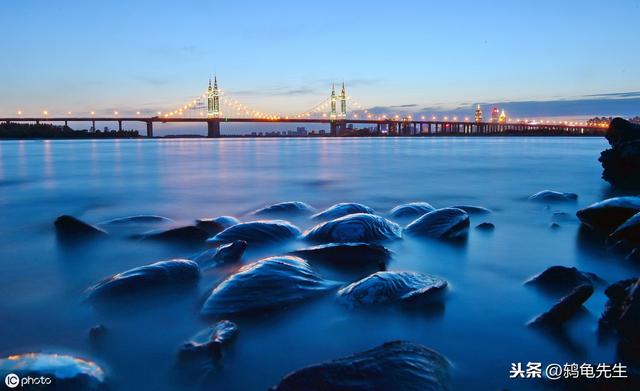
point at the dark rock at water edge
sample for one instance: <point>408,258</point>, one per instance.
<point>216,224</point>
<point>146,278</point>
<point>628,232</point>
<point>289,208</point>
<point>209,342</point>
<point>69,227</point>
<point>606,216</point>
<point>553,196</point>
<point>340,210</point>
<point>411,210</point>
<point>565,308</point>
<point>446,223</point>
<point>622,310</point>
<point>396,365</point>
<point>258,232</point>
<point>189,235</point>
<point>359,227</point>
<point>347,255</point>
<point>267,284</point>
<point>621,131</point>
<point>562,278</point>
<point>621,163</point>
<point>66,372</point>
<point>485,226</point>
<point>227,253</point>
<point>392,287</point>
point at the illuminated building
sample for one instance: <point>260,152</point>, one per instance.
<point>502,118</point>
<point>495,114</point>
<point>478,114</point>
<point>343,102</point>
<point>213,99</point>
<point>333,114</point>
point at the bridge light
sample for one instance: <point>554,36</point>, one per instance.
<point>137,113</point>
<point>455,118</point>
<point>422,117</point>
<point>433,118</point>
<point>19,112</point>
<point>93,113</point>
<point>446,118</point>
<point>159,112</point>
<point>115,113</point>
<point>45,112</point>
<point>68,113</point>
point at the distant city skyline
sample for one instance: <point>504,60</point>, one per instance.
<point>548,59</point>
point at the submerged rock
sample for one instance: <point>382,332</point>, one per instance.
<point>411,210</point>
<point>347,255</point>
<point>562,278</point>
<point>396,365</point>
<point>137,219</point>
<point>446,223</point>
<point>69,227</point>
<point>607,215</point>
<point>629,231</point>
<point>289,208</point>
<point>258,232</point>
<point>392,288</point>
<point>267,284</point>
<point>156,275</point>
<point>485,226</point>
<point>189,235</point>
<point>217,224</point>
<point>473,209</point>
<point>554,226</point>
<point>553,196</point>
<point>97,332</point>
<point>359,227</point>
<point>227,253</point>
<point>621,163</point>
<point>339,210</point>
<point>211,340</point>
<point>565,308</point>
<point>66,372</point>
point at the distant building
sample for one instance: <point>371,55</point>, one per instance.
<point>478,114</point>
<point>502,118</point>
<point>495,114</point>
<point>301,131</point>
<point>322,132</point>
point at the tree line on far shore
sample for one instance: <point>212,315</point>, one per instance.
<point>47,131</point>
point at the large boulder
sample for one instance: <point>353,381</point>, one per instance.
<point>64,371</point>
<point>412,210</point>
<point>227,253</point>
<point>258,232</point>
<point>563,279</point>
<point>445,223</point>
<point>69,227</point>
<point>565,308</point>
<point>163,274</point>
<point>621,131</point>
<point>396,365</point>
<point>621,163</point>
<point>217,224</point>
<point>553,196</point>
<point>342,209</point>
<point>392,287</point>
<point>266,284</point>
<point>359,227</point>
<point>629,231</point>
<point>606,216</point>
<point>289,208</point>
<point>347,255</point>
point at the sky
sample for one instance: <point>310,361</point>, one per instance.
<point>544,58</point>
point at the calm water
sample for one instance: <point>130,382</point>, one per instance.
<point>481,328</point>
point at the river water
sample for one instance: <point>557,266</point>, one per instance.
<point>481,327</point>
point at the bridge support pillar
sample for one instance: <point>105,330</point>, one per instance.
<point>149,129</point>
<point>378,128</point>
<point>66,124</point>
<point>93,126</point>
<point>120,126</point>
<point>213,129</point>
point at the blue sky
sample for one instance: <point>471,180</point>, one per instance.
<point>554,58</point>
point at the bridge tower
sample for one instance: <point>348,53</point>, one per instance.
<point>478,114</point>
<point>213,99</point>
<point>343,102</point>
<point>333,113</point>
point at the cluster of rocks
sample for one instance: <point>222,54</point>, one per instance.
<point>621,163</point>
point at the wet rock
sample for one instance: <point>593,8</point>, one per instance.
<point>258,232</point>
<point>411,210</point>
<point>485,226</point>
<point>562,278</point>
<point>347,255</point>
<point>553,196</point>
<point>289,208</point>
<point>339,210</point>
<point>267,284</point>
<point>217,224</point>
<point>97,332</point>
<point>446,223</point>
<point>629,231</point>
<point>621,131</point>
<point>634,255</point>
<point>621,163</point>
<point>396,365</point>
<point>411,288</point>
<point>137,219</point>
<point>66,372</point>
<point>69,227</point>
<point>227,253</point>
<point>189,235</point>
<point>606,216</point>
<point>209,342</point>
<point>156,275</point>
<point>473,209</point>
<point>359,227</point>
<point>554,226</point>
<point>565,308</point>
<point>622,310</point>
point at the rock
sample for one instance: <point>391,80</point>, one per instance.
<point>211,340</point>
<point>553,196</point>
<point>359,227</point>
<point>392,288</point>
<point>258,232</point>
<point>565,308</point>
<point>137,219</point>
<point>189,235</point>
<point>629,231</point>
<point>606,216</point>
<point>66,372</point>
<point>473,209</point>
<point>69,227</point>
<point>339,210</point>
<point>97,332</point>
<point>621,131</point>
<point>227,253</point>
<point>634,255</point>
<point>411,210</point>
<point>217,224</point>
<point>396,365</point>
<point>267,284</point>
<point>485,226</point>
<point>347,255</point>
<point>446,223</point>
<point>562,278</point>
<point>621,163</point>
<point>149,277</point>
<point>290,208</point>
<point>554,226</point>
<point>622,310</point>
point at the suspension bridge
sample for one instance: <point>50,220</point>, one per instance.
<point>339,111</point>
